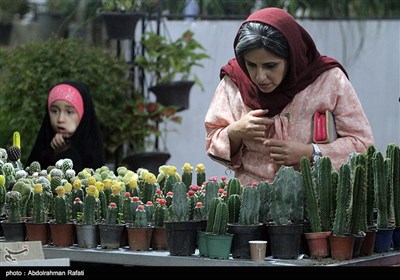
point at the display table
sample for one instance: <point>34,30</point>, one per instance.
<point>124,256</point>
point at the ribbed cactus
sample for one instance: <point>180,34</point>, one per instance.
<point>312,208</point>
<point>324,184</point>
<point>13,200</point>
<point>359,197</point>
<point>60,206</point>
<point>126,208</point>
<point>160,213</point>
<point>220,219</point>
<point>234,187</point>
<point>199,212</point>
<point>394,154</point>
<point>380,189</point>
<point>149,207</point>
<point>234,204</point>
<point>77,208</point>
<point>211,213</point>
<point>287,205</point>
<point>187,175</point>
<point>211,188</point>
<point>148,187</point>
<point>250,205</point>
<point>343,201</point>
<point>201,175</point>
<point>370,204</point>
<point>90,206</point>
<point>39,213</point>
<point>112,214</point>
<point>140,217</point>
<point>180,203</point>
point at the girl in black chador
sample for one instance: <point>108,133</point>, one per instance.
<point>69,129</point>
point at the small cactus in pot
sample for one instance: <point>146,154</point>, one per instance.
<point>13,200</point>
<point>39,213</point>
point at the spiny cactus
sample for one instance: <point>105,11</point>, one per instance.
<point>112,214</point>
<point>160,213</point>
<point>250,205</point>
<point>310,188</point>
<point>39,213</point>
<point>149,207</point>
<point>343,201</point>
<point>380,189</point>
<point>211,188</point>
<point>90,206</point>
<point>2,193</point>
<point>13,200</point>
<point>201,175</point>
<point>394,179</point>
<point>187,175</point>
<point>221,219</point>
<point>140,217</point>
<point>370,186</point>
<point>60,206</point>
<point>265,192</point>
<point>287,205</point>
<point>234,205</point>
<point>180,203</point>
<point>211,213</point>
<point>126,208</point>
<point>77,208</point>
<point>199,212</point>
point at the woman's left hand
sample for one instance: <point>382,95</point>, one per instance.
<point>287,152</point>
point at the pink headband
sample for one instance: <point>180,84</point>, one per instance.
<point>69,94</point>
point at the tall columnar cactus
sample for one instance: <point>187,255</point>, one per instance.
<point>149,207</point>
<point>140,217</point>
<point>220,219</point>
<point>343,202</point>
<point>250,205</point>
<point>234,205</point>
<point>160,213</point>
<point>201,174</point>
<point>102,199</point>
<point>234,187</point>
<point>60,206</point>
<point>287,204</point>
<point>170,180</point>
<point>187,175</point>
<point>380,189</point>
<point>211,213</point>
<point>211,188</point>
<point>180,203</point>
<point>126,208</point>
<point>359,196</point>
<point>312,196</point>
<point>324,183</point>
<point>39,213</point>
<point>148,187</point>
<point>394,179</point>
<point>90,206</point>
<point>370,203</point>
<point>13,200</point>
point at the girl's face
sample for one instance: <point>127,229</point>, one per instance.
<point>266,69</point>
<point>64,118</point>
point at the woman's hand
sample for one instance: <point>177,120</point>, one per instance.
<point>288,152</point>
<point>59,143</point>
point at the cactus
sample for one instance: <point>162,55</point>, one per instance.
<point>324,183</point>
<point>234,205</point>
<point>313,211</point>
<point>394,179</point>
<point>359,196</point>
<point>187,175</point>
<point>234,187</point>
<point>211,213</point>
<point>370,203</point>
<point>90,206</point>
<point>140,217</point>
<point>60,206</point>
<point>380,189</point>
<point>112,214</point>
<point>13,200</point>
<point>287,205</point>
<point>199,212</point>
<point>148,187</point>
<point>77,209</point>
<point>211,188</point>
<point>25,187</point>
<point>201,175</point>
<point>180,203</point>
<point>39,213</point>
<point>160,213</point>
<point>126,208</point>
<point>220,219</point>
<point>265,192</point>
<point>2,192</point>
<point>343,201</point>
<point>149,207</point>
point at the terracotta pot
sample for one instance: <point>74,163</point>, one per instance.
<point>342,246</point>
<point>139,238</point>
<point>367,247</point>
<point>62,235</point>
<point>318,244</point>
<point>38,232</point>
<point>159,239</point>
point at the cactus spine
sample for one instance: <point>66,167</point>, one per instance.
<point>39,210</point>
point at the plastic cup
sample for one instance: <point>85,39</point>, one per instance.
<point>258,249</point>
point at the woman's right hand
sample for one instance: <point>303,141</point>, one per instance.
<point>58,143</point>
<point>252,126</point>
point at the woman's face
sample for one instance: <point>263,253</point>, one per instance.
<point>64,118</point>
<point>266,69</point>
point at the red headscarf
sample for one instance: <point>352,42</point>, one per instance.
<point>305,64</point>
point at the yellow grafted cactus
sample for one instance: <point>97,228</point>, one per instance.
<point>99,186</point>
<point>91,190</point>
<point>91,180</point>
<point>129,176</point>
<point>200,168</point>
<point>187,168</point>
<point>60,190</point>
<point>150,178</point>
<point>116,189</point>
<point>68,187</point>
<point>38,188</point>
<point>17,140</point>
<point>77,184</point>
<point>108,183</point>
